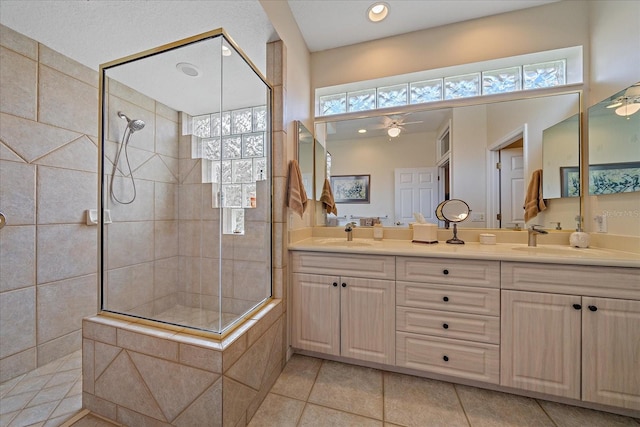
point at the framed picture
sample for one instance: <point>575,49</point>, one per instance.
<point>350,188</point>
<point>570,181</point>
<point>612,178</point>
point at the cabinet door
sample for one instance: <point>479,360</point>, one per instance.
<point>540,343</point>
<point>611,352</point>
<point>368,319</point>
<point>316,313</point>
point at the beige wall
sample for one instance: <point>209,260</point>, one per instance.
<point>552,26</point>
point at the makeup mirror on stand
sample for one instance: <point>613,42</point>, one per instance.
<point>453,211</point>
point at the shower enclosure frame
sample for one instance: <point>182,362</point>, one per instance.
<point>103,193</point>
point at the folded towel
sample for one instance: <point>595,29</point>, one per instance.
<point>296,195</point>
<point>327,198</point>
<point>534,203</point>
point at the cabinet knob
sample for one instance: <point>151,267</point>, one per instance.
<point>344,285</point>
<point>593,308</point>
<point>445,271</point>
<point>335,284</point>
<point>445,358</point>
<point>444,325</point>
<point>445,299</point>
<point>577,306</point>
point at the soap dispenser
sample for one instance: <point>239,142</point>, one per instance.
<point>579,239</point>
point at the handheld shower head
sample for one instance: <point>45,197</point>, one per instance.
<point>133,125</point>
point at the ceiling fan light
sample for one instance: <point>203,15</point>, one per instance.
<point>394,131</point>
<point>615,104</point>
<point>628,109</point>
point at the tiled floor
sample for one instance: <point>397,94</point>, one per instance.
<point>313,392</point>
<point>45,397</point>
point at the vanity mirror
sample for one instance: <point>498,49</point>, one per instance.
<point>413,173</point>
<point>453,211</point>
<point>305,157</point>
<point>614,144</point>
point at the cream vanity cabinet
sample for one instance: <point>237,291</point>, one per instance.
<point>572,331</point>
<point>344,305</point>
<point>448,317</point>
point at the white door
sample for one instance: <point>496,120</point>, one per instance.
<point>511,187</point>
<point>416,190</point>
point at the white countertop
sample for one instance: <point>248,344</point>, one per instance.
<point>555,254</point>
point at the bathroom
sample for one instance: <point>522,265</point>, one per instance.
<point>49,259</point>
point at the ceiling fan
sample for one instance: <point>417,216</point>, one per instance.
<point>395,123</point>
<point>628,103</point>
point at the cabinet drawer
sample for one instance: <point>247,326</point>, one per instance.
<point>368,266</point>
<point>609,282</point>
<point>446,324</point>
<point>485,274</point>
<point>462,299</point>
<point>462,359</point>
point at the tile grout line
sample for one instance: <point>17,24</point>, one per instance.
<point>545,412</point>
<point>464,411</point>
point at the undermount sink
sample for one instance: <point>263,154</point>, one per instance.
<point>345,242</point>
<point>557,250</point>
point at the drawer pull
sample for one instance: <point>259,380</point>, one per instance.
<point>344,285</point>
<point>445,299</point>
<point>444,325</point>
<point>445,272</point>
<point>445,358</point>
<point>335,284</point>
<point>577,306</point>
<point>593,308</point>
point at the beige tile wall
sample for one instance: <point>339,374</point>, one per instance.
<point>140,375</point>
<point>48,166</point>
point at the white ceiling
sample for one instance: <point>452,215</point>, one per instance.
<point>97,31</point>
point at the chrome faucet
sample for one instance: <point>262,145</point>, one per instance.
<point>349,230</point>
<point>532,233</point>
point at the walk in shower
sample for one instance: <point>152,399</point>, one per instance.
<point>185,218</point>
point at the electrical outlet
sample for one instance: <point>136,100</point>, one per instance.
<point>601,223</point>
<point>477,216</point>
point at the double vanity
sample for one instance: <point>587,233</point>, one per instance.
<point>548,321</point>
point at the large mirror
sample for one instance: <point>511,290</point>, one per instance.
<point>561,159</point>
<point>452,152</point>
<point>614,143</point>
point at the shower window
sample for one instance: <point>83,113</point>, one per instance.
<point>185,146</point>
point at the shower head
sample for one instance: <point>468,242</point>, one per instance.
<point>133,125</point>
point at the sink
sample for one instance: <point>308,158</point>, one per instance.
<point>344,242</point>
<point>559,251</point>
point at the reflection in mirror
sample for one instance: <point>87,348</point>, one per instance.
<point>305,157</point>
<point>614,143</point>
<point>561,159</point>
<point>406,168</point>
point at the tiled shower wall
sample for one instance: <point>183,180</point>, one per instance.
<point>141,244</point>
<point>48,179</point>
<point>48,175</point>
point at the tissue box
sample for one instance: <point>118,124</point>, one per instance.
<point>487,239</point>
<point>425,233</point>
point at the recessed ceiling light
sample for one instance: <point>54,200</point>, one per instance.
<point>188,69</point>
<point>377,11</point>
<point>362,131</point>
<point>226,51</point>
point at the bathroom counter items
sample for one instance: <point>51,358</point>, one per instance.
<point>553,254</point>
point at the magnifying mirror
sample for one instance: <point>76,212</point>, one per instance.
<point>454,211</point>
